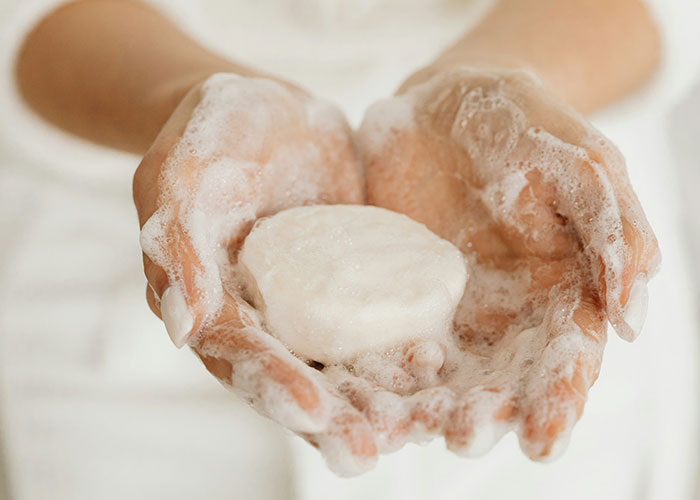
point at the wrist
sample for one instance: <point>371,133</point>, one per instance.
<point>589,53</point>
<point>166,95</point>
<point>453,60</point>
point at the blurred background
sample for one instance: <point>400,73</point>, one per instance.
<point>95,403</point>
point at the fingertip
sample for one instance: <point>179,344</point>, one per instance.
<point>459,432</point>
<point>429,410</point>
<point>628,320</point>
<point>176,315</point>
<point>543,438</point>
<point>635,310</point>
<point>548,448</point>
<point>427,356</point>
<point>425,360</point>
<point>546,425</point>
<point>473,432</point>
<point>628,310</point>
<point>348,446</point>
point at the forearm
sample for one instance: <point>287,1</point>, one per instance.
<point>111,71</point>
<point>590,52</point>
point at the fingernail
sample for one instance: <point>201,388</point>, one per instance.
<point>636,309</point>
<point>176,316</point>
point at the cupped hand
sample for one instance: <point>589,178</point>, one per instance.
<point>237,149</point>
<point>537,200</point>
<point>556,242</point>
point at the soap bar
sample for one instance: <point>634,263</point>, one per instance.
<point>334,281</point>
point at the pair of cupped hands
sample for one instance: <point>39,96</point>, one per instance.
<point>487,158</point>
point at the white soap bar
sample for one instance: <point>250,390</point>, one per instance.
<point>337,280</point>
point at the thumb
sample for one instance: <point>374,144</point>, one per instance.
<point>171,266</point>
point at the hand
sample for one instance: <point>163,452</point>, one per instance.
<point>556,242</point>
<point>237,149</point>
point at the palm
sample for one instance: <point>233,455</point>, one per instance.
<point>540,205</point>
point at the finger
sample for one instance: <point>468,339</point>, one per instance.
<point>593,191</point>
<point>251,363</point>
<point>425,359</point>
<point>621,246</point>
<point>546,429</point>
<point>557,385</point>
<point>626,290</point>
<point>348,444</point>
<point>337,166</point>
<point>165,241</point>
<point>429,410</point>
<point>478,421</point>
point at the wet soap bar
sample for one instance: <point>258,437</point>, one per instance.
<point>336,280</point>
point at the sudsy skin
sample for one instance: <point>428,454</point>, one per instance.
<point>537,200</point>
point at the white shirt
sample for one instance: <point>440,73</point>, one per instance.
<point>95,402</point>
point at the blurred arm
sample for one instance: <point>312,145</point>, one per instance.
<point>111,71</point>
<point>590,52</point>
